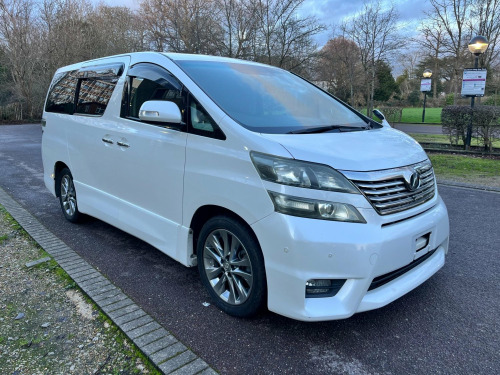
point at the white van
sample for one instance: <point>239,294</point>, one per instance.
<point>281,194</point>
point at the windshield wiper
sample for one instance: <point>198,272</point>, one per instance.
<point>324,129</point>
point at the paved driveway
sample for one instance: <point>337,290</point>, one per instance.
<point>449,325</point>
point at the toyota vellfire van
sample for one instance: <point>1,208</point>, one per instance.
<point>283,196</point>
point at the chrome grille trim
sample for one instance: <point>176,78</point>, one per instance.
<point>387,191</point>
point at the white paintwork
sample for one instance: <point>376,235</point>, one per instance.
<point>153,188</point>
<point>354,151</point>
<point>307,249</point>
<point>385,123</point>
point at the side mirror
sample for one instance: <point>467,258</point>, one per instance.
<point>379,114</point>
<point>381,117</point>
<point>160,111</point>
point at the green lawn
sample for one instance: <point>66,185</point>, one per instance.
<point>414,115</point>
<point>441,138</point>
<point>466,168</point>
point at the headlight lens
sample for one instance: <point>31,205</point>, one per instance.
<point>315,209</point>
<point>301,174</point>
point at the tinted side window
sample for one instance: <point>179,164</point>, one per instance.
<point>150,82</point>
<point>61,96</point>
<point>94,95</point>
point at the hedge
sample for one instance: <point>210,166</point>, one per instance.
<point>392,114</point>
<point>485,123</point>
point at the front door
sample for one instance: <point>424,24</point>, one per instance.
<point>149,158</point>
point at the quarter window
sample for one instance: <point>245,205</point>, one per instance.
<point>201,123</point>
<point>61,96</point>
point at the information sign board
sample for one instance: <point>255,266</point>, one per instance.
<point>474,82</point>
<point>425,84</point>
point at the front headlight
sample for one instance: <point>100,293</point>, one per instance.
<point>315,209</point>
<point>300,173</point>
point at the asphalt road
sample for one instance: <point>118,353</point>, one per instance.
<point>419,129</point>
<point>449,325</point>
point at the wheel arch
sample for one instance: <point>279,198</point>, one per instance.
<point>204,213</point>
<point>58,167</point>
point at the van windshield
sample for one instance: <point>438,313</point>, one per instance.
<point>270,100</point>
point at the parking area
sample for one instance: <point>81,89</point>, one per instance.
<point>449,325</point>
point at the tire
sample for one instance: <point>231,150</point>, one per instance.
<point>231,266</point>
<point>67,196</point>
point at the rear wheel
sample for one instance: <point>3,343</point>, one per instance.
<point>67,196</point>
<point>231,266</point>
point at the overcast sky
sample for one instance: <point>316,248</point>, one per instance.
<point>332,12</point>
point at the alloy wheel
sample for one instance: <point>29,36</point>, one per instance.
<point>228,267</point>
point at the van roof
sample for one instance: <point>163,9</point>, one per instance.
<point>194,57</point>
<point>171,55</point>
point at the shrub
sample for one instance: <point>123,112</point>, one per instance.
<point>414,98</point>
<point>491,100</point>
<point>485,123</point>
<point>455,119</point>
<point>449,99</point>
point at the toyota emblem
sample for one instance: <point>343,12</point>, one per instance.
<point>414,182</point>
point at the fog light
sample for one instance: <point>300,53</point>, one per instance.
<point>323,287</point>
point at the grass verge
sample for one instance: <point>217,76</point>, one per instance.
<point>56,332</point>
<point>470,169</point>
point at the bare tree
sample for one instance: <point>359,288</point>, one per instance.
<point>269,31</point>
<point>191,26</point>
<point>452,16</point>
<point>38,36</point>
<point>153,14</point>
<point>408,60</point>
<point>339,65</point>
<point>20,40</point>
<point>432,40</point>
<point>485,20</point>
<point>119,30</point>
<point>373,30</point>
<point>283,38</point>
<point>239,23</point>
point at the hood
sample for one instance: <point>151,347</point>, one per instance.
<point>354,151</point>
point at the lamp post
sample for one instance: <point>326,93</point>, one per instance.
<point>477,46</point>
<point>425,86</point>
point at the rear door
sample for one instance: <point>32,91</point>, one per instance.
<point>89,147</point>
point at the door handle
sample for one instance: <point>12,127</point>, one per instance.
<point>123,144</point>
<point>107,140</point>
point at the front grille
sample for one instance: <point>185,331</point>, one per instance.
<point>388,190</point>
<point>388,277</point>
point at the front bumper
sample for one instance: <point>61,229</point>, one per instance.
<point>299,249</point>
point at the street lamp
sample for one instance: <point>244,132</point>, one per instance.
<point>477,46</point>
<point>425,86</point>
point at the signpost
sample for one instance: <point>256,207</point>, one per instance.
<point>425,86</point>
<point>473,82</point>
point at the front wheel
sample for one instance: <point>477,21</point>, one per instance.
<point>231,266</point>
<point>67,196</point>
